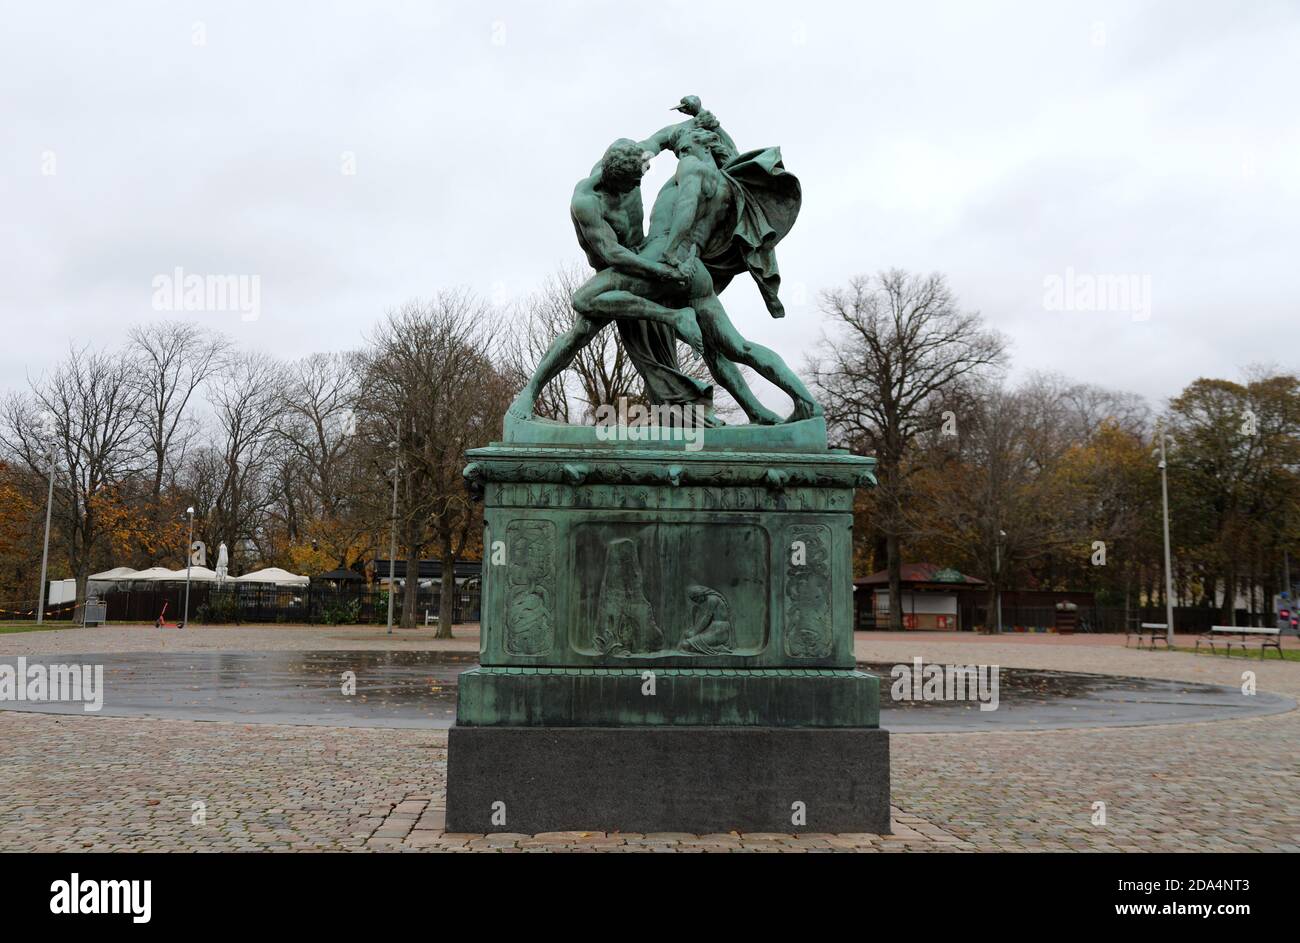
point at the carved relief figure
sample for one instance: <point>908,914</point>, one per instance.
<point>807,594</point>
<point>530,592</point>
<point>625,622</point>
<point>712,632</point>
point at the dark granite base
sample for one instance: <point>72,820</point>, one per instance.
<point>674,779</point>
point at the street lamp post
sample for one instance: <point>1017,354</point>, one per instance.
<point>189,561</point>
<point>1169,577</point>
<point>392,546</point>
<point>997,573</point>
<point>45,553</point>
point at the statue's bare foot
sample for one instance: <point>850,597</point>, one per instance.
<point>689,329</point>
<point>804,409</point>
<point>762,416</point>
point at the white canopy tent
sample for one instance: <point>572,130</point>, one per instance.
<point>160,574</point>
<point>113,575</point>
<point>197,574</point>
<point>274,575</point>
<point>155,574</point>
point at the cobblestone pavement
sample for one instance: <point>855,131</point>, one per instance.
<point>101,783</point>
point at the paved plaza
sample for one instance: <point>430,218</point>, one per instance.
<point>97,783</point>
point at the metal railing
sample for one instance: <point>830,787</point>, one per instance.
<point>1034,619</point>
<point>235,605</point>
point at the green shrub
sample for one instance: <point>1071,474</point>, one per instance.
<point>221,608</point>
<point>341,612</point>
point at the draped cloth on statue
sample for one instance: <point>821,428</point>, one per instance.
<point>767,200</point>
<point>652,345</point>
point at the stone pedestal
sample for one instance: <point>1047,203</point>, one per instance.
<point>702,780</point>
<point>667,637</point>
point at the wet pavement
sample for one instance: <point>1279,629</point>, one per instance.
<point>417,689</point>
<point>1034,699</point>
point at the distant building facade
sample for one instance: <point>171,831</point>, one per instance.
<point>943,599</point>
<point>930,597</point>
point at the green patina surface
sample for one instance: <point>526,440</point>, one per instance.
<point>722,214</point>
<point>664,568</point>
<point>724,572</point>
<point>807,435</point>
<point>581,697</point>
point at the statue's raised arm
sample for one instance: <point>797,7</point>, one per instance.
<point>666,138</point>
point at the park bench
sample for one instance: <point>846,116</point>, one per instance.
<point>1244,635</point>
<point>1152,632</point>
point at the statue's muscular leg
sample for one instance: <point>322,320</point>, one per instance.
<point>730,379</point>
<point>610,294</point>
<point>557,357</point>
<point>727,342</point>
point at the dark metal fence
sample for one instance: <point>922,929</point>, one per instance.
<point>1034,619</point>
<point>263,604</point>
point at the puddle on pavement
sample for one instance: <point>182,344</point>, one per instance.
<point>418,689</point>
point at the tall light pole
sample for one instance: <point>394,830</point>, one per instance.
<point>189,561</point>
<point>392,543</point>
<point>997,573</point>
<point>1286,576</point>
<point>45,553</point>
<point>1169,576</point>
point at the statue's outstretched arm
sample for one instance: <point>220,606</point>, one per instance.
<point>663,138</point>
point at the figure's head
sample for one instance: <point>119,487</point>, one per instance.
<point>703,144</point>
<point>622,166</point>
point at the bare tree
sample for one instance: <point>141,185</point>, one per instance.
<point>88,413</point>
<point>900,345</point>
<point>1001,504</point>
<point>431,388</point>
<point>322,473</point>
<point>171,360</point>
<point>246,399</point>
<point>1069,413</point>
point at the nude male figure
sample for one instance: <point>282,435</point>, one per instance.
<point>691,217</point>
<point>701,212</point>
<point>639,286</point>
<point>607,215</point>
<point>614,293</point>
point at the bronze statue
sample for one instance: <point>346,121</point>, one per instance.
<point>722,213</point>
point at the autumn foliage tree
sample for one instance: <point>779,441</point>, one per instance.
<point>431,392</point>
<point>899,346</point>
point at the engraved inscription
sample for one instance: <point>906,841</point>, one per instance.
<point>531,495</point>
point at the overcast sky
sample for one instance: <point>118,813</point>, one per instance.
<point>1001,144</point>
